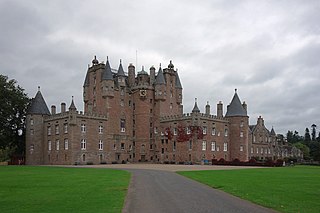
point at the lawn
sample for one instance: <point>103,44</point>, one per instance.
<point>54,189</point>
<point>289,189</point>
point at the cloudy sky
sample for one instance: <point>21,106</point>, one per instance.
<point>268,50</point>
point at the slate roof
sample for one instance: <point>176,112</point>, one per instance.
<point>195,108</point>
<point>235,108</point>
<point>178,83</point>
<point>107,73</point>
<point>160,77</point>
<point>38,105</point>
<point>272,132</point>
<point>120,70</point>
<point>72,105</point>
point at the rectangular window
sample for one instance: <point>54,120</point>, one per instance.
<point>204,145</point>
<point>174,146</point>
<point>83,144</point>
<point>49,145</point>
<point>114,147</point>
<point>204,130</point>
<point>261,150</point>
<point>226,132</point>
<point>269,151</point>
<point>155,130</point>
<point>122,146</point>
<point>31,122</point>
<point>83,128</point>
<point>190,145</point>
<point>66,144</point>
<point>188,131</point>
<point>31,131</point>
<point>49,130</point>
<point>213,146</point>
<point>100,145</point>
<point>57,145</point>
<point>251,150</point>
<point>213,131</point>
<point>218,148</point>
<point>241,124</point>
<point>65,127</point>
<point>241,148</point>
<point>241,134</point>
<point>57,129</point>
<point>122,102</point>
<point>175,131</point>
<point>100,129</point>
<point>257,150</point>
<point>122,125</point>
<point>225,147</point>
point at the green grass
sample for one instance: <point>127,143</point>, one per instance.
<point>53,189</point>
<point>290,189</point>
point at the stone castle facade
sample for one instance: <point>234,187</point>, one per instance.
<point>138,117</point>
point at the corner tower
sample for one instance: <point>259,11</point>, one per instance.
<point>238,129</point>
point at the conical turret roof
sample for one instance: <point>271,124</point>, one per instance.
<point>272,132</point>
<point>72,105</point>
<point>235,108</point>
<point>160,77</point>
<point>107,73</point>
<point>120,70</point>
<point>38,105</point>
<point>178,83</point>
<point>195,108</point>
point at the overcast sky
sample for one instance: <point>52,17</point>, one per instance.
<point>268,50</point>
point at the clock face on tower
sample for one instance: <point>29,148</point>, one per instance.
<point>143,93</point>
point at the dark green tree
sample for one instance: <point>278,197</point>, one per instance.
<point>313,133</point>
<point>315,150</point>
<point>305,149</point>
<point>13,107</point>
<point>307,137</point>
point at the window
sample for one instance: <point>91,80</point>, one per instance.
<point>269,151</point>
<point>122,91</point>
<point>261,150</point>
<point>57,145</point>
<point>100,145</point>
<point>188,130</point>
<point>122,146</point>
<point>175,131</point>
<point>204,145</point>
<point>204,130</point>
<point>83,128</point>
<point>241,124</point>
<point>174,146</point>
<point>251,150</point>
<point>213,131</point>
<point>155,130</point>
<point>65,128</point>
<point>254,139</point>
<point>122,125</point>
<point>114,146</point>
<point>49,130</point>
<point>49,145</point>
<point>218,148</point>
<point>225,147</point>
<point>31,131</point>
<point>257,150</point>
<point>31,122</point>
<point>100,129</point>
<point>241,148</point>
<point>31,147</point>
<point>122,102</point>
<point>190,145</point>
<point>241,134</point>
<point>66,144</point>
<point>57,129</point>
<point>83,144</point>
<point>213,146</point>
<point>226,132</point>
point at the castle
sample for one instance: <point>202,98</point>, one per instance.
<point>131,117</point>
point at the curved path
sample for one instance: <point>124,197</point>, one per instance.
<point>154,191</point>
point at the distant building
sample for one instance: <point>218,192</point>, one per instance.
<point>131,117</point>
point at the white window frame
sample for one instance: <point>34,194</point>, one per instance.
<point>83,128</point>
<point>49,130</point>
<point>57,129</point>
<point>83,144</point>
<point>100,129</point>
<point>49,145</point>
<point>204,130</point>
<point>175,132</point>
<point>100,145</point>
<point>204,145</point>
<point>226,132</point>
<point>213,146</point>
<point>65,128</point>
<point>225,147</point>
<point>66,144</point>
<point>57,145</point>
<point>241,148</point>
<point>214,131</point>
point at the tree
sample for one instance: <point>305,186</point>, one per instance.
<point>313,133</point>
<point>13,107</point>
<point>307,137</point>
<point>305,149</point>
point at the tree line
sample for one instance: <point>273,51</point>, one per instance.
<point>309,143</point>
